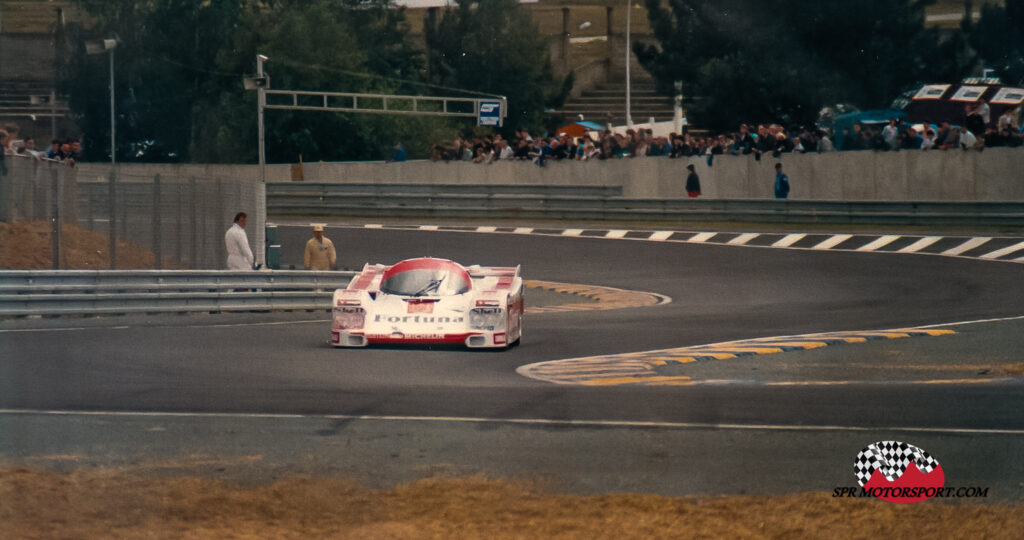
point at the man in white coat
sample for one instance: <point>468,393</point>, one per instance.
<point>237,244</point>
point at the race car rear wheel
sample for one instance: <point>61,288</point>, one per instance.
<point>519,337</point>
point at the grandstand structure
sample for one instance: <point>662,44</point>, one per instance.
<point>28,44</point>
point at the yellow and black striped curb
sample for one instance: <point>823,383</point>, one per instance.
<point>604,297</point>
<point>643,368</point>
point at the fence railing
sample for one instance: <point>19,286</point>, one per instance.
<point>91,292</point>
<point>180,220</point>
<point>604,203</point>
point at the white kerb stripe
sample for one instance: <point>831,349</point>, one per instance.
<point>572,232</point>
<point>881,241</point>
<point>920,244</point>
<point>700,238</point>
<point>967,246</point>
<point>523,230</point>
<point>373,226</point>
<point>743,239</point>
<point>428,227</point>
<point>1005,251</point>
<point>834,241</point>
<point>486,229</point>
<point>789,240</point>
<point>617,233</point>
<point>661,236</point>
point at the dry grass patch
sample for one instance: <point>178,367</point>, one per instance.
<point>104,503</point>
<point>27,245</point>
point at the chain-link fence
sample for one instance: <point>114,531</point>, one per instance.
<point>180,220</point>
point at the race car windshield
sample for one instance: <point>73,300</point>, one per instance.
<point>424,282</point>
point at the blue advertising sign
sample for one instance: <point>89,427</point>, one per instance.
<point>489,113</point>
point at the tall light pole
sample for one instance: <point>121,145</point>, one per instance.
<point>629,24</point>
<point>261,101</point>
<point>98,47</point>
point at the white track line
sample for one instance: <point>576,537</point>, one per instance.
<point>700,238</point>
<point>832,242</point>
<point>789,240</point>
<point>742,239</point>
<point>1005,251</point>
<point>920,244</point>
<point>224,325</point>
<point>517,421</point>
<point>879,242</point>
<point>966,246</point>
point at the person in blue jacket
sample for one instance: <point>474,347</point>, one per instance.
<point>781,183</point>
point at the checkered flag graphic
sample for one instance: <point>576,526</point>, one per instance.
<point>892,457</point>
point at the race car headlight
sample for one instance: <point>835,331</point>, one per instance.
<point>346,317</point>
<point>486,318</point>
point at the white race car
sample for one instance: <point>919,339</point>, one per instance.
<point>429,301</point>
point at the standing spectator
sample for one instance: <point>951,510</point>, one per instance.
<point>30,148</point>
<point>397,153</point>
<point>692,183</point>
<point>781,183</point>
<point>320,253</point>
<point>505,151</point>
<point>974,121</point>
<point>929,140</point>
<point>3,150</point>
<point>545,152</point>
<point>1007,120</point>
<point>53,152</point>
<point>237,245</point>
<point>942,136</point>
<point>798,145</point>
<point>891,135</point>
<point>522,151</point>
<point>952,139</point>
<point>967,139</point>
<point>910,139</point>
<point>824,144</point>
<point>985,112</point>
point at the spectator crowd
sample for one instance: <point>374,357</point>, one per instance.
<point>67,151</point>
<point>977,133</point>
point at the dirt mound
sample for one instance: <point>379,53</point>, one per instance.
<point>28,246</point>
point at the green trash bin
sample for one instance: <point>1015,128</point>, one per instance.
<point>273,248</point>
<point>274,257</point>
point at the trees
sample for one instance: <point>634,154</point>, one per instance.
<point>998,37</point>
<point>179,69</point>
<point>743,60</point>
<point>494,47</point>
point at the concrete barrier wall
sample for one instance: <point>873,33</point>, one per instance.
<point>996,174</point>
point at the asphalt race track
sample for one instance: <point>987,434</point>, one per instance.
<point>386,415</point>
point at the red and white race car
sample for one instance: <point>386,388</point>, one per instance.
<point>429,301</point>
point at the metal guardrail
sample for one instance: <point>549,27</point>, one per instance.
<point>99,292</point>
<point>410,189</point>
<point>588,206</point>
